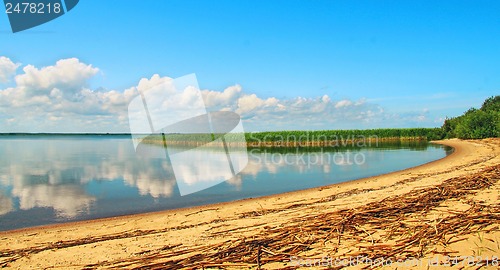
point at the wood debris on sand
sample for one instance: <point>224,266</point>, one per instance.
<point>397,228</point>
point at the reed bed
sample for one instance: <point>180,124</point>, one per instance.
<point>300,138</point>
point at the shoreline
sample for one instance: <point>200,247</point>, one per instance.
<point>111,241</point>
<point>201,207</point>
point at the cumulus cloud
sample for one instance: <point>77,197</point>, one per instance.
<point>293,113</point>
<point>68,75</point>
<point>221,99</point>
<point>7,69</point>
<point>57,98</point>
<point>343,103</point>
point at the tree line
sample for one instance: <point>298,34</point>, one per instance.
<point>475,123</point>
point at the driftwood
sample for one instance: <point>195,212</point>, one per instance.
<point>394,228</point>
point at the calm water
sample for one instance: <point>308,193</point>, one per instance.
<point>46,180</point>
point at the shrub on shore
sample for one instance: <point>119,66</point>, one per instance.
<point>475,123</point>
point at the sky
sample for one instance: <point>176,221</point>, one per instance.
<point>281,65</point>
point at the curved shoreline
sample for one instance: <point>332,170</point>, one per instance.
<point>113,240</point>
<point>201,207</point>
<point>457,150</point>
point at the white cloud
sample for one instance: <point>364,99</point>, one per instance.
<point>248,103</point>
<point>148,84</point>
<point>293,113</point>
<point>228,96</point>
<point>343,103</point>
<point>69,75</point>
<point>325,99</point>
<point>7,69</point>
<point>58,98</point>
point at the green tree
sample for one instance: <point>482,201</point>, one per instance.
<point>491,104</point>
<point>474,123</point>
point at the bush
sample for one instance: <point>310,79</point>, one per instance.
<point>474,123</point>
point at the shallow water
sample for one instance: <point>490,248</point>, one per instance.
<point>53,179</point>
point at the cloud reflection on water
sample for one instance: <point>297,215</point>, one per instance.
<point>5,204</point>
<point>56,173</point>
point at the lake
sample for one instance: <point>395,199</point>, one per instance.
<point>54,179</point>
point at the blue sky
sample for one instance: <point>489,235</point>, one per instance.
<point>380,63</point>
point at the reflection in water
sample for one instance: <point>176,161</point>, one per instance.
<point>5,204</point>
<point>67,199</point>
<point>53,179</point>
<point>202,167</point>
<point>151,177</point>
<point>53,173</point>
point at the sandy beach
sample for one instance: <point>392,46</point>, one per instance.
<point>443,210</point>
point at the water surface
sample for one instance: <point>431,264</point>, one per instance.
<point>53,179</point>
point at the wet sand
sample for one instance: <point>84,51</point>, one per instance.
<point>357,218</point>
